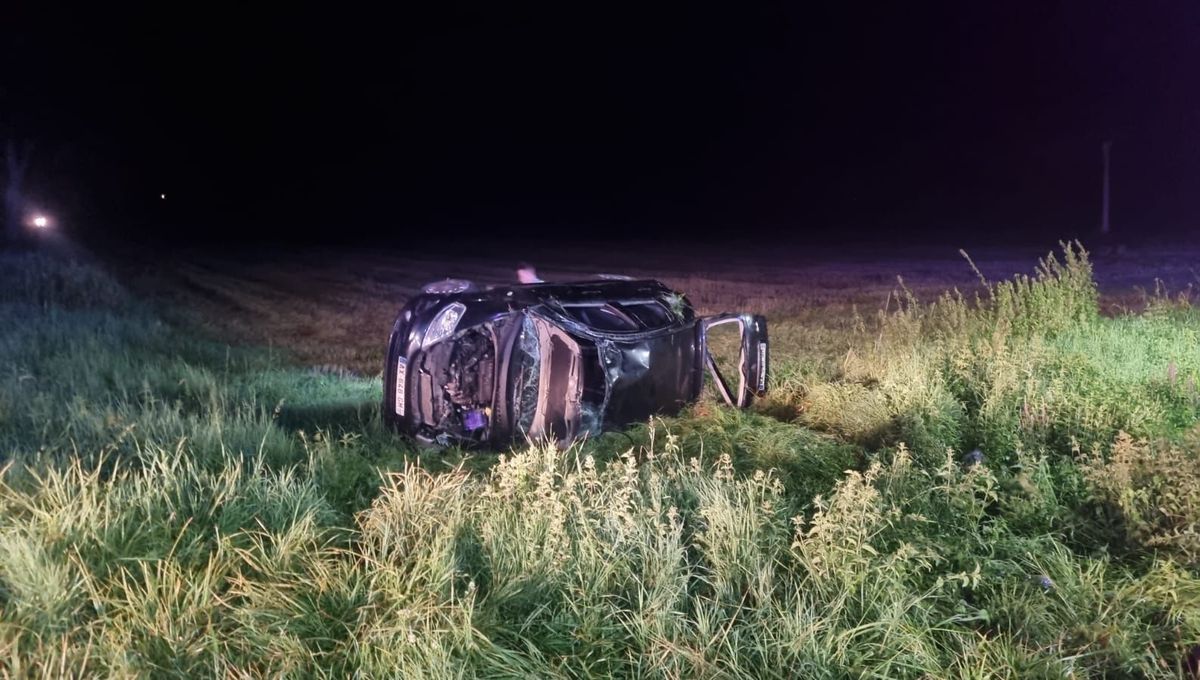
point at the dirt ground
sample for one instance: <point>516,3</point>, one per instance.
<point>334,307</point>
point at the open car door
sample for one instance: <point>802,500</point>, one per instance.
<point>752,361</point>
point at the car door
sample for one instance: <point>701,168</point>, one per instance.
<point>752,363</point>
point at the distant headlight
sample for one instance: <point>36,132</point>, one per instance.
<point>443,324</point>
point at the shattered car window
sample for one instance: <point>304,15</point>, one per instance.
<point>602,316</point>
<point>548,384</point>
<point>649,313</point>
<point>527,359</point>
<point>620,316</point>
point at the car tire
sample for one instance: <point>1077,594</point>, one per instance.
<point>449,287</point>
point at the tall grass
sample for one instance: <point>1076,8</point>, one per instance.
<point>173,508</point>
<point>1030,365</point>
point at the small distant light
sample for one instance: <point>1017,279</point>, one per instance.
<point>163,196</point>
<point>40,222</point>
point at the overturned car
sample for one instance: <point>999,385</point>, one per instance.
<point>555,361</point>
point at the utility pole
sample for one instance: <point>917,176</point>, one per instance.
<point>1105,148</point>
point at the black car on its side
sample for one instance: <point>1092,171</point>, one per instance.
<point>554,361</point>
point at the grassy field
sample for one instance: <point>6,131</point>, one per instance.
<point>997,483</point>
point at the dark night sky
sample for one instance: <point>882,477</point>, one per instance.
<point>798,121</point>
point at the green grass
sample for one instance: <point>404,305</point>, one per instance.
<point>174,507</point>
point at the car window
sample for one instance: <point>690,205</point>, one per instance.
<point>650,313</point>
<point>629,315</point>
<point>601,316</point>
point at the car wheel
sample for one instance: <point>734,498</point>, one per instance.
<point>449,287</point>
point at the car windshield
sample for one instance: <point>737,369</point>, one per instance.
<point>546,382</point>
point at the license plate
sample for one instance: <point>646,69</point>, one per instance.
<point>401,380</point>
